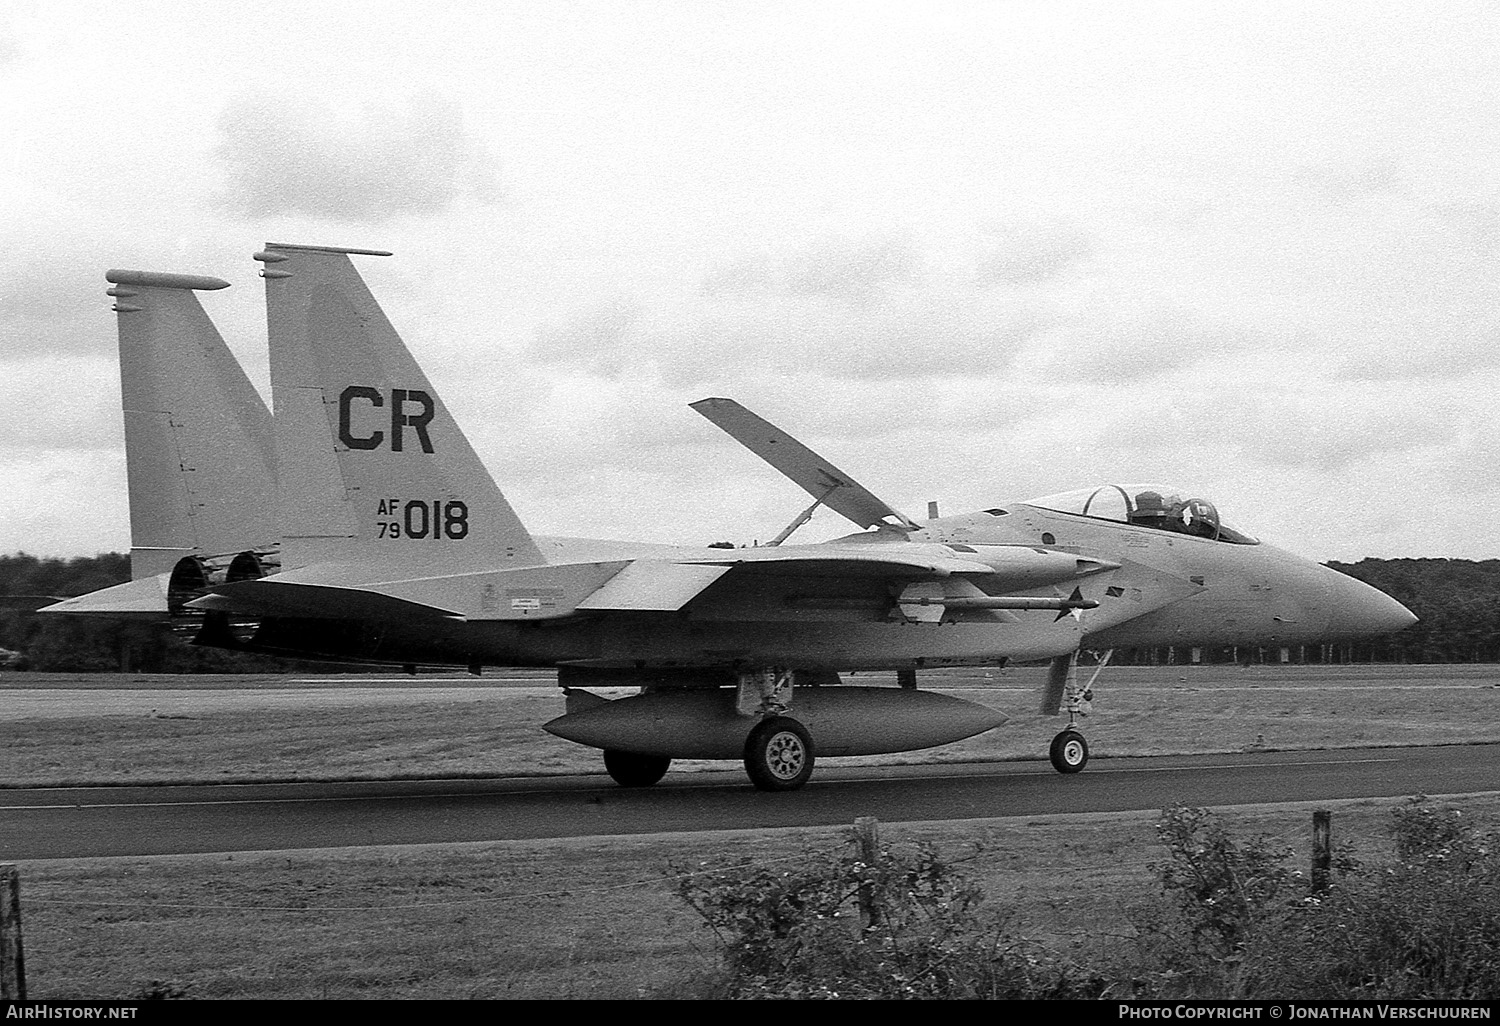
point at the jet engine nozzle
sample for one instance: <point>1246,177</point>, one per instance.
<point>193,577</point>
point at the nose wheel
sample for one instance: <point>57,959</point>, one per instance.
<point>1070,752</point>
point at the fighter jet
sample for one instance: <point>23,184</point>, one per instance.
<point>397,546</point>
<point>199,454</point>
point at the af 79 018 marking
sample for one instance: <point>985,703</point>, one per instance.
<point>420,518</point>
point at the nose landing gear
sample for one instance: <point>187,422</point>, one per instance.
<point>1069,752</point>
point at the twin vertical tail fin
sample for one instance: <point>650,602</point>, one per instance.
<point>199,450</point>
<point>373,468</point>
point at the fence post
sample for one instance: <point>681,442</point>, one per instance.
<point>1322,851</point>
<point>12,962</point>
<point>867,832</point>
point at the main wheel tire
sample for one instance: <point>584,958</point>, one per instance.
<point>1070,752</point>
<point>631,770</point>
<point>779,754</point>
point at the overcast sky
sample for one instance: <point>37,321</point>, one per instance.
<point>969,252</point>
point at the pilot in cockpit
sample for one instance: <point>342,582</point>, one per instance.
<point>1150,511</point>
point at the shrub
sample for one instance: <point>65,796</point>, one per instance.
<point>1221,896</point>
<point>907,926</point>
<point>1223,888</point>
<point>1424,926</point>
<point>1233,921</point>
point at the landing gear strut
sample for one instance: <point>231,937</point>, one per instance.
<point>1070,752</point>
<point>779,754</point>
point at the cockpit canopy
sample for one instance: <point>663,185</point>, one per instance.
<point>1159,507</point>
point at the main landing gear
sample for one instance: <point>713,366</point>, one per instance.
<point>631,770</point>
<point>779,754</point>
<point>779,749</point>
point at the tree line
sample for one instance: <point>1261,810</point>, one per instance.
<point>1457,600</point>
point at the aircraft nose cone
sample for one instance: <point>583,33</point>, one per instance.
<point>1359,610</point>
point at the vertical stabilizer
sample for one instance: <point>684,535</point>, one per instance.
<point>199,448</point>
<point>374,470</point>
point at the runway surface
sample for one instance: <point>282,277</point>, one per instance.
<point>86,822</point>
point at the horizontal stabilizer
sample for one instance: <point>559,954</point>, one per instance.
<point>145,598</point>
<point>811,472</point>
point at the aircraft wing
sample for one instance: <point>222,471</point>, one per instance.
<point>811,472</point>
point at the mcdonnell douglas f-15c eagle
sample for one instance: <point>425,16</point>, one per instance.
<point>396,546</point>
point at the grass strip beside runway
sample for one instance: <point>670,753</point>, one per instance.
<point>495,730</point>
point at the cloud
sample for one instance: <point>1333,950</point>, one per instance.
<point>692,346</point>
<point>1021,253</point>
<point>598,341</point>
<point>53,303</point>
<point>745,277</point>
<point>866,311</point>
<point>1324,429</point>
<point>41,416</point>
<point>296,156</point>
<point>1111,347</point>
<point>1472,226</point>
<point>1344,181</point>
<point>852,272</point>
<point>63,502</point>
<point>1477,348</point>
<point>10,46</point>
